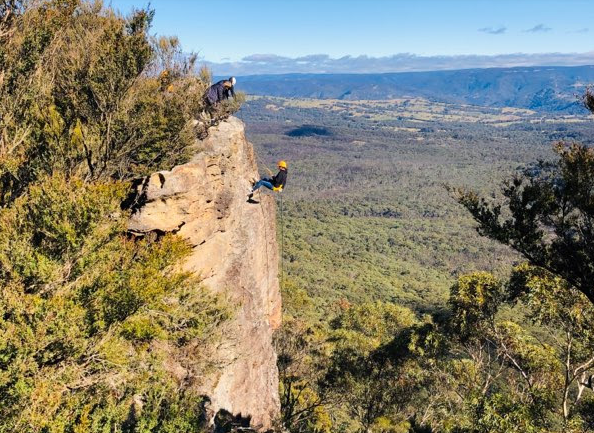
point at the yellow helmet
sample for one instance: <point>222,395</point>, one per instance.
<point>282,164</point>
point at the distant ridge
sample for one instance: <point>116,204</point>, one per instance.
<point>541,88</point>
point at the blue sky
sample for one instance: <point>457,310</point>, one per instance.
<point>231,30</point>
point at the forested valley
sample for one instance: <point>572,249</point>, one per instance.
<point>398,315</point>
<point>436,258</point>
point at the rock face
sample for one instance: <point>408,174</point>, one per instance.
<point>235,252</point>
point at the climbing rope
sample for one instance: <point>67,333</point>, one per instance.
<point>282,254</point>
<point>262,163</point>
<point>267,244</point>
<point>282,223</point>
<point>282,249</point>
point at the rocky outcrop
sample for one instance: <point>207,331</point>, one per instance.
<point>234,252</point>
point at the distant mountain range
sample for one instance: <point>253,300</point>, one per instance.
<point>552,89</point>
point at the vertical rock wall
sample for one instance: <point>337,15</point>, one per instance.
<point>235,252</point>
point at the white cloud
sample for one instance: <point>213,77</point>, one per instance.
<point>258,64</point>
<point>494,30</point>
<point>539,28</point>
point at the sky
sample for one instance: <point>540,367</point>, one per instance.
<point>261,35</point>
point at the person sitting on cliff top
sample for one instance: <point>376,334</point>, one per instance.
<point>220,91</point>
<point>274,183</point>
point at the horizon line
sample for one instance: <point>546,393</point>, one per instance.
<point>408,72</point>
<point>272,64</point>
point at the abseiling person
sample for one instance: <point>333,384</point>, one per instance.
<point>274,183</point>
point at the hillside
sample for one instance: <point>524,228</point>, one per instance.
<point>366,214</point>
<point>398,315</point>
<point>551,89</point>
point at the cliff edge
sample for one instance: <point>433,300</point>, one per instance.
<point>235,253</point>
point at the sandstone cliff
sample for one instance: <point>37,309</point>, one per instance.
<point>235,252</point>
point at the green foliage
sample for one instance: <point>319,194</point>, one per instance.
<point>349,377</point>
<point>550,207</point>
<point>89,318</point>
<point>546,217</point>
<point>566,314</point>
<point>99,332</point>
<point>371,375</point>
<point>586,411</point>
<point>500,413</point>
<point>302,360</point>
<point>88,93</point>
<point>370,325</point>
<point>511,377</point>
<point>474,300</point>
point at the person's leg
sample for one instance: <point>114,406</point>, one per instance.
<point>264,183</point>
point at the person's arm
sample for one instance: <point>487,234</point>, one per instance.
<point>232,91</point>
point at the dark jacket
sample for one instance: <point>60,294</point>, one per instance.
<point>218,92</point>
<point>280,180</point>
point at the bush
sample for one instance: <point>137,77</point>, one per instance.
<point>98,332</point>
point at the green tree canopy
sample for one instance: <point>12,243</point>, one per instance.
<point>547,215</point>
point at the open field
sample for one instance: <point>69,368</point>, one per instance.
<point>421,110</point>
